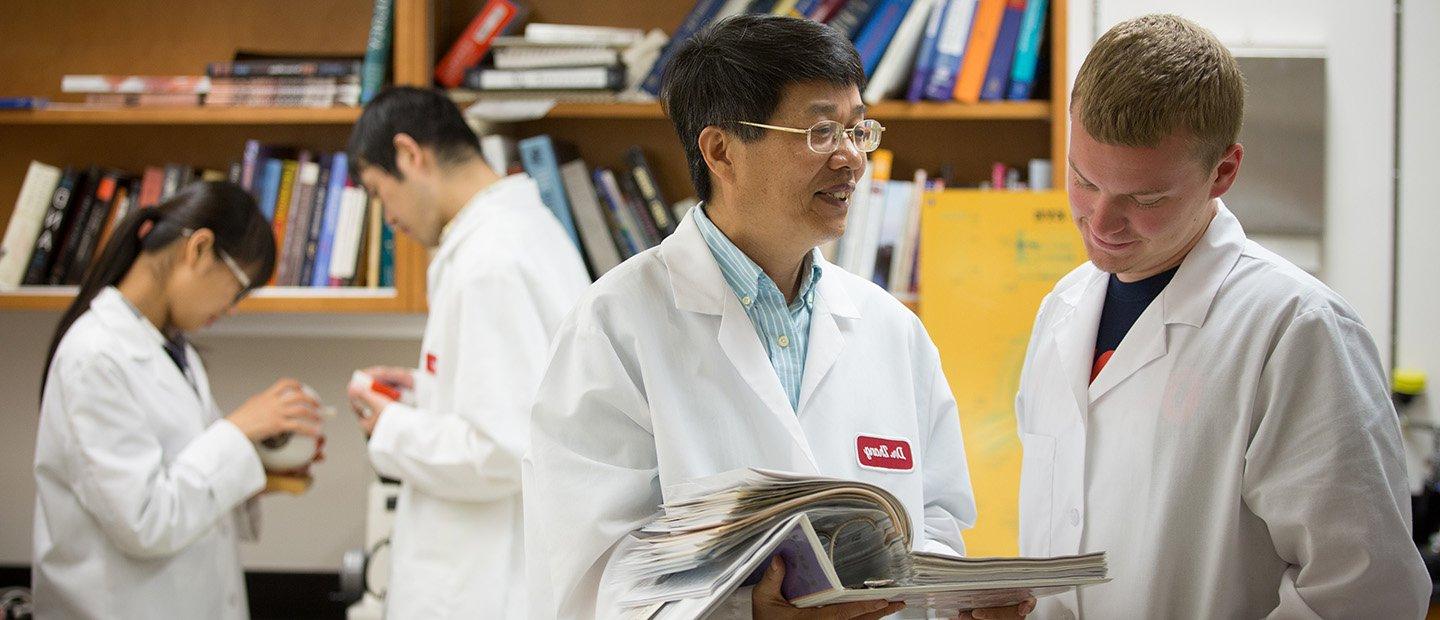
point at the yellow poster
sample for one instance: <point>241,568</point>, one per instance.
<point>987,258</point>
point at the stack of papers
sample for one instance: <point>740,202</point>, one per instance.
<point>841,541</point>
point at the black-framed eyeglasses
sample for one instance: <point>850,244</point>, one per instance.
<point>824,137</point>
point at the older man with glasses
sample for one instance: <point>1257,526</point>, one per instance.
<point>734,344</point>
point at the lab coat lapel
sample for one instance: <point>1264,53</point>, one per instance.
<point>1144,343</point>
<point>143,342</point>
<point>827,334</point>
<point>698,286</point>
<point>1075,336</point>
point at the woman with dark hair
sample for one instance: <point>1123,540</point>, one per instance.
<point>143,488</point>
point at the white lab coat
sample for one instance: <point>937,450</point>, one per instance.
<point>659,377</point>
<point>1238,457</point>
<point>504,276</point>
<point>141,485</point>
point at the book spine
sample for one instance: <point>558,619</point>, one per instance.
<point>387,255</point>
<point>51,227</point>
<point>314,222</point>
<point>638,211</point>
<point>92,226</point>
<point>372,239</point>
<point>555,78</point>
<point>377,50</point>
<point>925,60</point>
<point>900,54</point>
<point>270,187</point>
<point>600,252</point>
<point>297,224</point>
<point>997,76</point>
<point>876,35</point>
<point>82,200</point>
<point>950,50</point>
<point>826,10</point>
<point>700,14</point>
<point>333,200</point>
<point>249,163</point>
<point>625,240</point>
<point>26,222</point>
<point>1027,51</point>
<point>650,191</point>
<point>472,45</point>
<point>541,163</point>
<point>983,32</point>
<point>284,68</point>
<point>853,16</point>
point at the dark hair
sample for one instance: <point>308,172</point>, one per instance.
<point>425,114</point>
<point>223,208</point>
<point>737,70</point>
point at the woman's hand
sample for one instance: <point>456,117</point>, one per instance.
<point>283,408</point>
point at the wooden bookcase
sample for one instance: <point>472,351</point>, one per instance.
<point>40,42</point>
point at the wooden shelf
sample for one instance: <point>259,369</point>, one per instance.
<point>884,111</point>
<point>273,299</point>
<point>183,116</point>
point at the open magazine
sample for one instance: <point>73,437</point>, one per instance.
<point>841,541</point>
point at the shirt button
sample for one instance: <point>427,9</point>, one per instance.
<point>784,341</point>
<point>1074,516</point>
<point>1067,615</point>
<point>747,301</point>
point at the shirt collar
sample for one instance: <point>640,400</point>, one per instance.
<point>742,274</point>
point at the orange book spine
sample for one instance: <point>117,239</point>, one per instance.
<point>983,33</point>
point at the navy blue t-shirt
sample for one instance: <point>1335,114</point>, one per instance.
<point>1124,303</point>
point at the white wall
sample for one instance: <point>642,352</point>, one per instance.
<point>306,533</point>
<point>1359,39</point>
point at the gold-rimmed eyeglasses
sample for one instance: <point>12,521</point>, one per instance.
<point>824,137</point>
<point>234,267</point>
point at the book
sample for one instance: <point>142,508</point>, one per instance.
<point>595,235</point>
<point>316,221</point>
<point>284,68</point>
<point>82,201</point>
<point>51,228</point>
<point>701,14</point>
<point>840,541</point>
<point>623,227</point>
<point>26,221</point>
<point>269,186</point>
<point>848,250</point>
<point>925,57</point>
<point>23,103</point>
<point>283,196</point>
<point>902,259</point>
<point>537,57</point>
<point>89,229</point>
<point>950,49</point>
<point>650,191</point>
<point>387,255</point>
<point>900,56</point>
<point>639,212</point>
<point>983,31</point>
<point>556,78</point>
<point>301,186</point>
<point>853,16</point>
<point>639,59</point>
<point>297,225</point>
<point>125,197</point>
<point>152,183</point>
<point>567,34</point>
<point>377,50</point>
<point>542,157</point>
<point>474,42</point>
<point>372,239</point>
<point>136,84</point>
<point>997,76</point>
<point>330,220</point>
<point>875,37</point>
<point>348,228</point>
<point>825,10</point>
<point>868,244</point>
<point>501,154</point>
<point>1027,51</point>
<point>892,225</point>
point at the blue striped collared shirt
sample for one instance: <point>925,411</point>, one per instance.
<point>784,330</point>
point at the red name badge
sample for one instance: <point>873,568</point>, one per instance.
<point>883,453</point>
<point>430,362</point>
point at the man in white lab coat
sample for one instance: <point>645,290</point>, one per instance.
<point>503,275</point>
<point>1213,417</point>
<point>734,344</point>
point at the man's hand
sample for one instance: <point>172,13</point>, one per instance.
<point>1013,612</point>
<point>767,603</point>
<point>390,375</point>
<point>369,404</point>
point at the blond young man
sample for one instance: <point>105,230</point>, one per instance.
<point>1213,417</point>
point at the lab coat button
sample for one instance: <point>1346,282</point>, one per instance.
<point>1074,516</point>
<point>1067,615</point>
<point>784,341</point>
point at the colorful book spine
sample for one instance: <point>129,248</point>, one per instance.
<point>997,77</point>
<point>1027,51</point>
<point>330,221</point>
<point>387,255</point>
<point>316,221</point>
<point>950,50</point>
<point>983,33</point>
<point>850,18</point>
<point>285,68</point>
<point>700,14</point>
<point>26,221</point>
<point>650,191</point>
<point>626,238</point>
<point>377,50</point>
<point>269,186</point>
<point>474,42</point>
<point>876,35</point>
<point>51,228</point>
<point>542,163</point>
<point>925,58</point>
<point>90,228</point>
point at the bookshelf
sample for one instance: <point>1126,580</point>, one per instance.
<point>160,37</point>
<point>165,38</point>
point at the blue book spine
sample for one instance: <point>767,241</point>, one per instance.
<point>1027,51</point>
<point>338,174</point>
<point>700,15</point>
<point>876,35</point>
<point>23,103</point>
<point>804,8</point>
<point>623,241</point>
<point>270,187</point>
<point>950,50</point>
<point>387,255</point>
<point>998,74</point>
<point>925,59</point>
<point>538,156</point>
<point>852,17</point>
<point>377,50</point>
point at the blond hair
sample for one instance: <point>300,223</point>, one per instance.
<point>1150,77</point>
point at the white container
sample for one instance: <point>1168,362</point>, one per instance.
<point>290,451</point>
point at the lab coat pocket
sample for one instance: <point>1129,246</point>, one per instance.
<point>1037,483</point>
